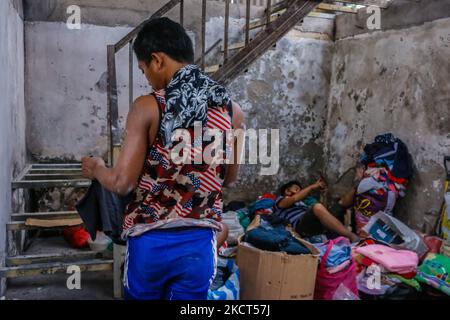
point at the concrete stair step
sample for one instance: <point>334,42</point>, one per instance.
<point>29,259</point>
<point>55,267</point>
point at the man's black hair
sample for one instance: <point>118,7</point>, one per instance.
<point>284,187</point>
<point>164,35</point>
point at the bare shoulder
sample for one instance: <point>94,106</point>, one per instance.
<point>144,108</point>
<point>147,102</point>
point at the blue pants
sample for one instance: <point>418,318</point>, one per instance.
<point>170,264</point>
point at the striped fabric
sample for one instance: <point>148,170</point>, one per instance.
<point>293,214</point>
<point>167,190</point>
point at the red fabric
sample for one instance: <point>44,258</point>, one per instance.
<point>263,211</point>
<point>77,237</point>
<point>433,243</point>
<point>394,179</point>
<point>397,180</point>
<point>268,196</point>
<point>327,283</point>
<point>409,275</point>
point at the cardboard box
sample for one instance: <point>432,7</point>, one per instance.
<point>266,275</point>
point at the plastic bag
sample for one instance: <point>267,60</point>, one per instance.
<point>434,272</point>
<point>396,234</point>
<point>327,283</point>
<point>235,229</point>
<point>230,290</point>
<point>344,293</point>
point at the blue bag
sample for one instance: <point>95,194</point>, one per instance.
<point>230,290</point>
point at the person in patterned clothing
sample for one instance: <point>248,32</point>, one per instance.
<point>172,225</point>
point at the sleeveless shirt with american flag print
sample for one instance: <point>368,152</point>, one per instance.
<point>167,190</point>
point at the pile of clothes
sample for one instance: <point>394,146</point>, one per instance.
<point>395,262</point>
<point>339,258</point>
<point>225,285</point>
<point>263,205</point>
<point>271,235</point>
<point>382,268</point>
<point>238,216</point>
<point>389,168</point>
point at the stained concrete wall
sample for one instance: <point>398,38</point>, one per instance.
<point>113,13</point>
<point>66,97</point>
<point>327,99</point>
<point>65,68</point>
<point>66,88</point>
<point>12,113</point>
<point>286,89</point>
<point>394,81</point>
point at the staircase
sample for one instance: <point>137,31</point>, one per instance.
<point>21,264</point>
<point>278,19</point>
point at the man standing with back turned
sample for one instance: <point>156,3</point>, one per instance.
<point>172,221</point>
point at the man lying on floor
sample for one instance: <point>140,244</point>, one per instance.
<point>308,220</point>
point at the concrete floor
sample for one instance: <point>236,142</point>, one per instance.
<point>94,285</point>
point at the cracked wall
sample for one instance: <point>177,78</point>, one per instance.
<point>328,99</point>
<point>286,89</point>
<point>394,81</point>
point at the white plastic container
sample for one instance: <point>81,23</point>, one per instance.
<point>101,242</point>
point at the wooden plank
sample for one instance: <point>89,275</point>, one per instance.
<point>310,35</point>
<point>278,7</point>
<point>377,3</point>
<point>55,257</point>
<point>56,267</point>
<point>44,215</point>
<point>336,8</point>
<point>53,223</point>
<point>238,45</point>
<point>321,15</point>
<point>21,225</point>
<point>212,69</point>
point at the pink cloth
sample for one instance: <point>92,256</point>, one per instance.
<point>398,261</point>
<point>340,267</point>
